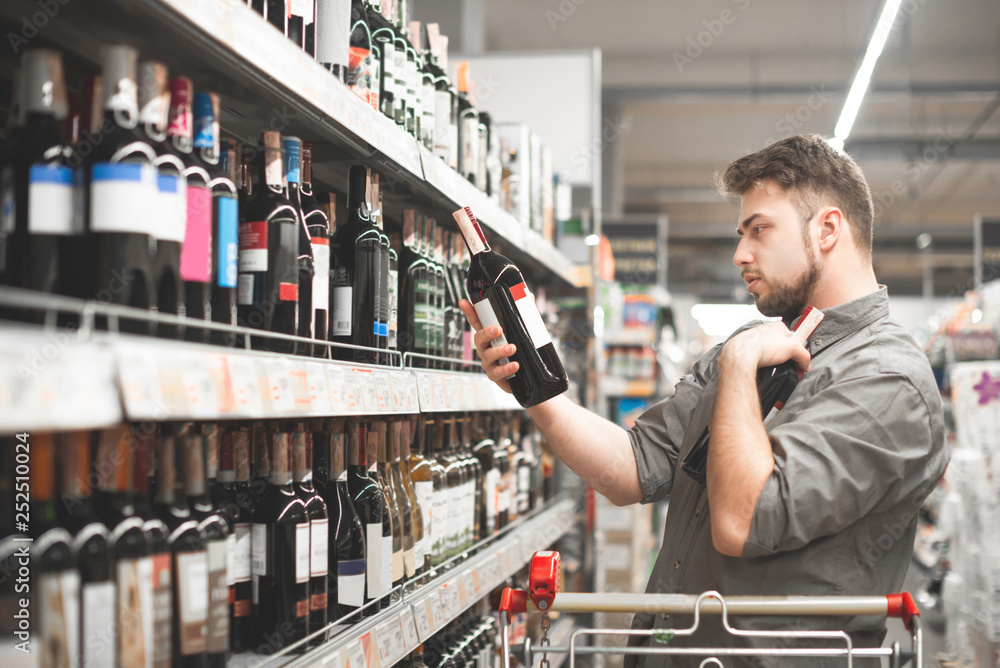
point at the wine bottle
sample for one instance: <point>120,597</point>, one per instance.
<point>501,459</point>
<point>215,532</point>
<point>347,541</point>
<point>39,212</point>
<point>390,519</point>
<point>306,265</point>
<point>403,109</point>
<point>369,503</point>
<point>196,252</point>
<point>302,24</point>
<point>362,75</point>
<point>383,54</point>
<point>483,451</point>
<point>445,144</point>
<point>318,225</point>
<point>501,297</point>
<point>409,514</point>
<point>401,526</point>
<point>477,497</point>
<point>268,290</point>
<point>55,577</point>
<point>170,211</point>
<point>234,474</point>
<point>274,11</point>
<point>319,527</point>
<point>434,443</point>
<point>434,281</point>
<point>428,103</point>
<point>414,109</point>
<point>189,556</point>
<point>92,545</point>
<point>422,478</point>
<point>375,197</point>
<point>123,182</point>
<point>333,35</point>
<point>414,299</point>
<point>355,282</point>
<point>280,553</point>
<point>774,385</point>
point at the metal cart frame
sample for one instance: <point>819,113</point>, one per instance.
<point>543,588</point>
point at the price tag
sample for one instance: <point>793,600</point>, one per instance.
<point>383,390</point>
<point>409,383</point>
<point>354,402</point>
<point>437,610</point>
<point>391,634</point>
<point>369,643</point>
<point>439,396</point>
<point>298,379</point>
<point>425,393</point>
<point>139,383</point>
<point>477,585</point>
<point>202,400</point>
<point>172,387</point>
<point>449,600</point>
<point>463,592</point>
<point>279,386</point>
<point>335,383</point>
<point>319,392</point>
<point>422,619</point>
<point>218,369</point>
<point>356,655</point>
<point>406,622</point>
<point>384,646</point>
<point>366,380</point>
<point>243,374</point>
<point>331,661</point>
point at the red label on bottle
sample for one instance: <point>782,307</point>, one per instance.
<point>301,608</point>
<point>241,608</point>
<point>318,601</point>
<point>253,246</point>
<point>519,291</point>
<point>288,292</point>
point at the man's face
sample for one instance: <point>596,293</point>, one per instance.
<point>774,256</point>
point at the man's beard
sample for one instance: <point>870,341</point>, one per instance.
<point>787,300</point>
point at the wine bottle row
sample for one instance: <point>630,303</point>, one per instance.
<point>178,544</point>
<point>143,204</point>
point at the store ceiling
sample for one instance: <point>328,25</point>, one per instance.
<point>927,136</point>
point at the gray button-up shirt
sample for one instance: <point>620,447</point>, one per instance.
<point>857,448</point>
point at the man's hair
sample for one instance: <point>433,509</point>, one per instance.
<point>811,171</point>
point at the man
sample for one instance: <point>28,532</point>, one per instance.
<point>822,501</point>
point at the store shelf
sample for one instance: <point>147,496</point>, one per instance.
<point>386,638</point>
<point>622,387</point>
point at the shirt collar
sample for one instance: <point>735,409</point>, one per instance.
<point>848,318</point>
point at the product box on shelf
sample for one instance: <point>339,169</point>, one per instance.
<point>515,143</point>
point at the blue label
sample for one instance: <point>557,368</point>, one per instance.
<point>228,235</point>
<point>55,174</point>
<point>293,156</point>
<point>351,567</point>
<point>106,171</point>
<point>204,119</point>
<point>167,183</point>
<point>375,328</point>
<point>383,329</point>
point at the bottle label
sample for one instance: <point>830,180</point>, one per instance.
<point>302,552</point>
<point>321,279</point>
<point>351,582</point>
<point>218,598</point>
<point>343,306</point>
<point>359,63</point>
<point>439,521</point>
<point>409,560</point>
<point>525,302</point>
<point>192,580</point>
<point>293,160</point>
<point>469,164</point>
<point>98,646</point>
<point>373,545</point>
<point>244,290</point>
<point>442,124</point>
<point>398,565</point>
<point>258,549</point>
<point>120,197</point>
<point>227,262</point>
<point>242,557</point>
<point>50,199</point>
<point>333,30</point>
<point>490,499</point>
<point>424,491</point>
<point>393,324</point>
<point>157,573</point>
<point>319,563</point>
<point>196,253</point>
<point>231,560</point>
<point>135,609</point>
<point>387,556</point>
<point>488,317</point>
<point>523,486</point>
<point>288,292</point>
<point>58,597</point>
<point>171,208</point>
<point>253,247</point>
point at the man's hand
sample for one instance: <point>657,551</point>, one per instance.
<point>489,355</point>
<point>767,345</point>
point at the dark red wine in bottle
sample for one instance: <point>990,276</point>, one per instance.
<point>234,474</point>
<point>355,255</point>
<point>268,287</point>
<point>369,502</point>
<point>318,225</point>
<point>280,538</point>
<point>123,181</point>
<point>501,297</point>
<point>39,216</point>
<point>319,527</point>
<point>170,212</point>
<point>375,197</point>
<point>306,264</point>
<point>414,296</point>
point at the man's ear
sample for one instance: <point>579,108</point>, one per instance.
<point>832,226</point>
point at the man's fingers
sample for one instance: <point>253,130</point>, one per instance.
<point>494,355</point>
<point>470,313</point>
<point>498,373</point>
<point>483,337</point>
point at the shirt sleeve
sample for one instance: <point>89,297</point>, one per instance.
<point>658,433</point>
<point>857,447</point>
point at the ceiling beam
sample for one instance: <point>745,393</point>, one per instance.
<point>695,94</point>
<point>929,149</point>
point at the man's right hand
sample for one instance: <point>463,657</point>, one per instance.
<point>489,355</point>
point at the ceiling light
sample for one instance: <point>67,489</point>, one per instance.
<point>863,76</point>
<point>592,239</point>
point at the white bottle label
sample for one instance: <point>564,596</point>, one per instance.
<point>58,596</point>
<point>98,648</point>
<point>302,552</point>
<point>258,549</point>
<point>230,559</point>
<point>525,302</point>
<point>386,564</point>
<point>523,485</point>
<point>171,208</point>
<point>351,582</point>
<point>343,297</point>
<point>439,520</point>
<point>192,575</point>
<point>373,545</point>
<point>242,553</point>
<point>424,492</point>
<point>488,317</point>
<point>319,563</point>
<point>244,289</point>
<point>50,200</point>
<point>121,196</point>
<point>442,124</point>
<point>134,593</point>
<point>321,279</point>
<point>490,481</point>
<point>398,565</point>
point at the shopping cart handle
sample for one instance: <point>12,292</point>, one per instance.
<point>904,607</point>
<point>543,579</point>
<point>513,601</point>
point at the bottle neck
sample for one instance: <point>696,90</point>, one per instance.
<point>74,461</point>
<point>194,467</point>
<point>271,170</point>
<point>306,175</point>
<point>227,461</point>
<point>302,451</point>
<point>166,472</point>
<point>206,127</point>
<point>180,122</point>
<point>338,472</point>
<point>281,472</point>
<point>241,455</point>
<point>475,240</point>
<point>358,446</point>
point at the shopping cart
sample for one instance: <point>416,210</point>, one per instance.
<point>543,596</point>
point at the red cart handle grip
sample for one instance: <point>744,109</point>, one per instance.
<point>543,579</point>
<point>904,607</point>
<point>513,601</point>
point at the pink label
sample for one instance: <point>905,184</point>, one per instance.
<point>196,253</point>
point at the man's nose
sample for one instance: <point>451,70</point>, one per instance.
<point>742,257</point>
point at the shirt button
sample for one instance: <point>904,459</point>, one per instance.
<point>697,512</point>
<point>817,343</point>
<point>677,565</point>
